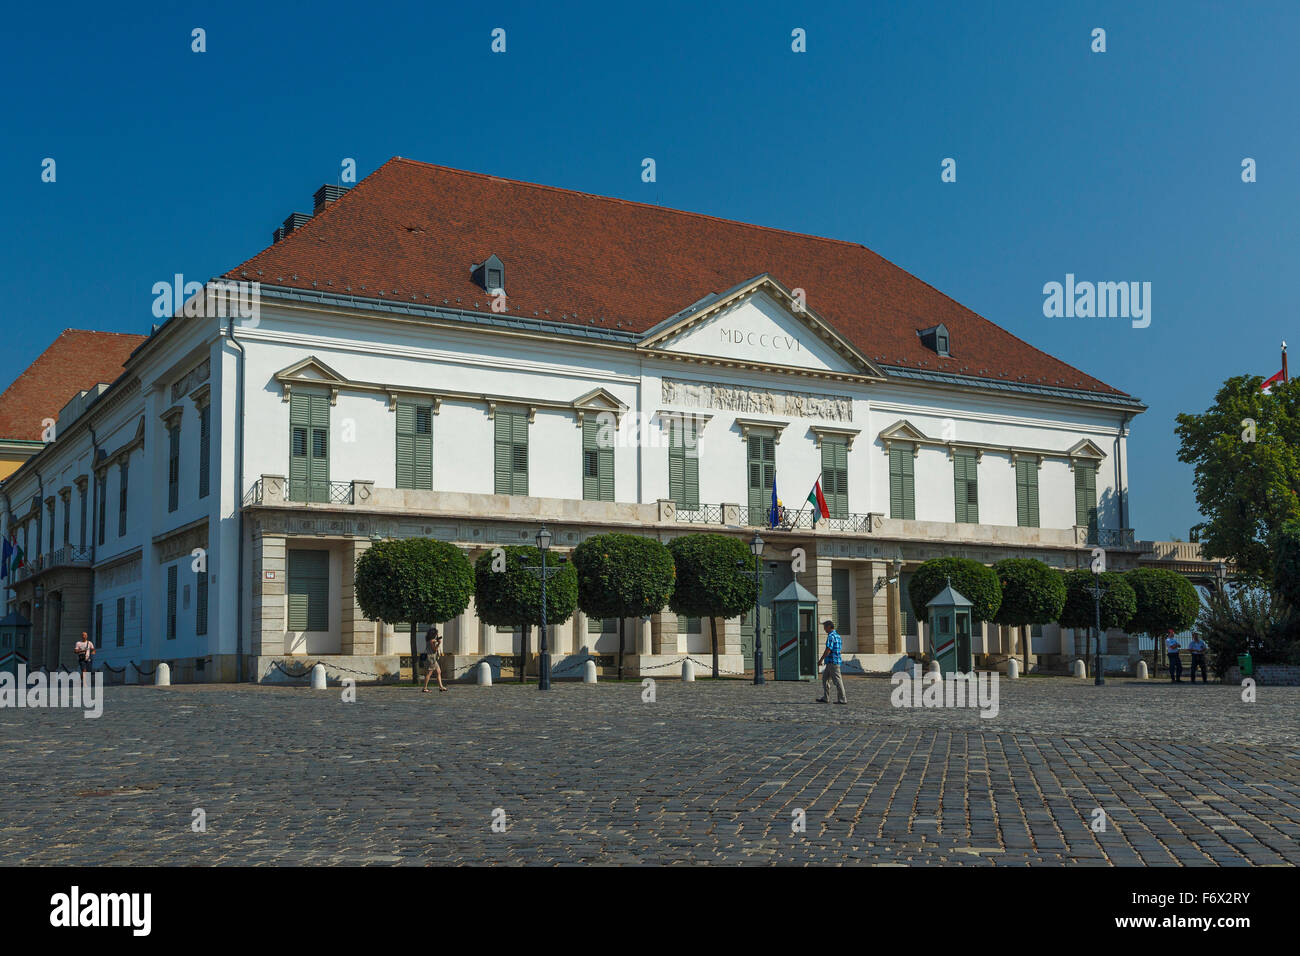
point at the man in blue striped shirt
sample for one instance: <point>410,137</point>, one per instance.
<point>831,659</point>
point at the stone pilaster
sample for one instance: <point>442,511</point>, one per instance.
<point>269,594</point>
<point>896,641</point>
<point>818,581</point>
<point>665,638</point>
<point>469,632</point>
<point>359,634</point>
<point>729,636</point>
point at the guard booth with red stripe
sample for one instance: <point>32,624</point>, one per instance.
<point>950,631</point>
<point>794,633</point>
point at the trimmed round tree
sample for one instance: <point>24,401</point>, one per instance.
<point>413,579</point>
<point>1166,601</point>
<point>1032,593</point>
<point>1118,604</point>
<point>622,576</point>
<point>507,594</point>
<point>975,582</point>
<point>711,580</point>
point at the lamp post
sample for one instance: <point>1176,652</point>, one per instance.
<point>544,659</point>
<point>1097,679</point>
<point>756,549</point>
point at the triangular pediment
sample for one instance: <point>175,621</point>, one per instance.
<point>310,370</point>
<point>903,430</point>
<point>1086,449</point>
<point>759,323</point>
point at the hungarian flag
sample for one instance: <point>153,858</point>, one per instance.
<point>818,502</point>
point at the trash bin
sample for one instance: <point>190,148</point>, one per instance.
<point>1245,664</point>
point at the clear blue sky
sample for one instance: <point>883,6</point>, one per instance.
<point>1117,166</point>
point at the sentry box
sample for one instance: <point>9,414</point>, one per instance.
<point>950,631</point>
<point>794,632</point>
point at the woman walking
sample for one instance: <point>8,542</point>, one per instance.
<point>432,648</point>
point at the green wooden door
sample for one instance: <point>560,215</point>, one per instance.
<point>309,461</point>
<point>773,584</point>
<point>762,477</point>
<point>835,476</point>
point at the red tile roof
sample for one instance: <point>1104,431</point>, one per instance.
<point>414,229</point>
<point>76,360</point>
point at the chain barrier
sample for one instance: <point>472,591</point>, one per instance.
<point>113,670</point>
<point>142,672</point>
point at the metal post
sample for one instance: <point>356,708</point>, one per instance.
<point>544,662</point>
<point>1097,679</point>
<point>758,621</point>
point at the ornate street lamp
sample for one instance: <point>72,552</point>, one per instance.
<point>1097,679</point>
<point>544,663</point>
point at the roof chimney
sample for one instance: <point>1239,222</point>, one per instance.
<point>326,195</point>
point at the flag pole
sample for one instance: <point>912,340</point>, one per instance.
<point>1284,375</point>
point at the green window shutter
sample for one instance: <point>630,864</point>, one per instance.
<point>121,622</point>
<point>504,450</point>
<point>1085,499</point>
<point>99,625</point>
<point>121,499</point>
<point>309,464</point>
<point>835,476</point>
<point>205,450</point>
<point>596,625</point>
<point>683,465</point>
<point>966,488</point>
<point>171,603</point>
<point>201,605</point>
<point>414,446</point>
<point>173,466</point>
<point>841,600</point>
<point>597,465</point>
<point>689,625</point>
<point>762,475</point>
<point>902,491</point>
<point>1027,492</point>
<point>308,591</point>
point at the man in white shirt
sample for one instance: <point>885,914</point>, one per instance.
<point>1172,647</point>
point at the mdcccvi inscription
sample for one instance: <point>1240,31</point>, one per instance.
<point>759,401</point>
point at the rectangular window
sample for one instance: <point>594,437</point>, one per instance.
<point>67,521</point>
<point>690,625</point>
<point>841,600</point>
<point>99,625</point>
<point>201,605</point>
<point>173,466</point>
<point>835,475</point>
<point>50,509</point>
<point>1036,630</point>
<point>81,534</point>
<point>309,461</point>
<point>1027,492</point>
<point>597,460</point>
<point>205,450</point>
<point>596,625</point>
<point>902,489</point>
<point>683,464</point>
<point>1085,499</point>
<point>511,452</point>
<point>966,488</point>
<point>414,446</point>
<point>762,476</point>
<point>121,622</point>
<point>309,590</point>
<point>121,499</point>
<point>171,603</point>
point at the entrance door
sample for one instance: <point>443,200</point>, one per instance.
<point>54,627</point>
<point>774,582</point>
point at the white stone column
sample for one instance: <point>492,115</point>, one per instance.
<point>469,631</point>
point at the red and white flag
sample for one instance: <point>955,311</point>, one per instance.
<point>1281,376</point>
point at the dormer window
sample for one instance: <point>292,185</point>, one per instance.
<point>491,275</point>
<point>937,340</point>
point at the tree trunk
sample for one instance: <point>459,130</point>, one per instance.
<point>713,627</point>
<point>415,655</point>
<point>1087,654</point>
<point>1027,638</point>
<point>622,622</point>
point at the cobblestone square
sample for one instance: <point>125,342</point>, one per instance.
<point>706,773</point>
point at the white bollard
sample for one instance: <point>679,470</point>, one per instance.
<point>1013,668</point>
<point>932,667</point>
<point>484,674</point>
<point>318,677</point>
<point>688,670</point>
<point>1079,670</point>
<point>1142,670</point>
<point>163,676</point>
<point>132,676</point>
<point>589,672</point>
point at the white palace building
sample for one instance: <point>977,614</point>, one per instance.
<point>442,353</point>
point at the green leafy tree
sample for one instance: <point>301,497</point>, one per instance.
<point>413,579</point>
<point>1240,620</point>
<point>1118,604</point>
<point>1032,593</point>
<point>711,580</point>
<point>974,581</point>
<point>1246,453</point>
<point>1286,565</point>
<point>622,576</point>
<point>507,594</point>
<point>1166,601</point>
